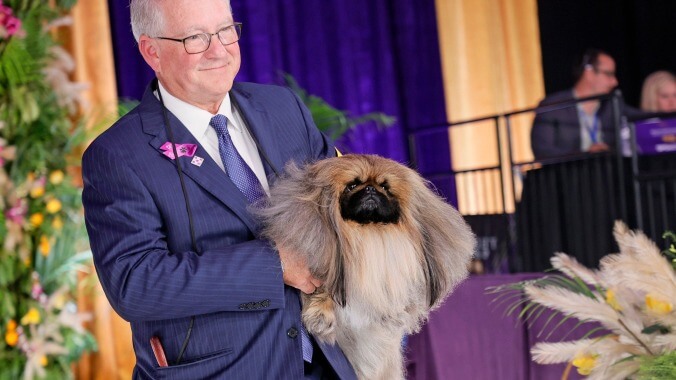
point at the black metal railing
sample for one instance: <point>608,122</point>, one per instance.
<point>644,199</point>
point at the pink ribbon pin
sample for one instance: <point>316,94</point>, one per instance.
<point>187,150</point>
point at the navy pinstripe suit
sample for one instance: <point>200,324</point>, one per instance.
<point>138,228</point>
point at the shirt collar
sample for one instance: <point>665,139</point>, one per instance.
<point>194,118</point>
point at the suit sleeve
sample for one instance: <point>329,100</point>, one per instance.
<point>142,279</point>
<point>542,136</point>
<point>545,135</point>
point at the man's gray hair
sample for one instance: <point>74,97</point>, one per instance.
<point>147,17</point>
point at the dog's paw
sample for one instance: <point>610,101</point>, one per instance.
<point>319,317</point>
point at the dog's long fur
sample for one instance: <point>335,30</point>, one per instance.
<point>380,279</point>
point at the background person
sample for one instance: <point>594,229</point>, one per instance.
<point>584,127</point>
<point>659,92</point>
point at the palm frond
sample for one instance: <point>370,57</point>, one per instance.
<point>331,120</point>
<point>572,268</point>
<point>571,303</point>
<point>560,352</point>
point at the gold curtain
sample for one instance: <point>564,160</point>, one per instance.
<point>491,63</point>
<point>89,42</point>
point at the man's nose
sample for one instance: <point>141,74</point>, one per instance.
<point>215,47</point>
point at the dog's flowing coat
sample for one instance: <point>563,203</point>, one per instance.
<point>387,248</point>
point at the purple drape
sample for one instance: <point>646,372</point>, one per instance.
<point>359,56</point>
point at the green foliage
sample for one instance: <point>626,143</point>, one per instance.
<point>670,252</point>
<point>333,121</point>
<point>41,219</point>
<point>658,368</point>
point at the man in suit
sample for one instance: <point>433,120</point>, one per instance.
<point>166,194</point>
<point>583,127</point>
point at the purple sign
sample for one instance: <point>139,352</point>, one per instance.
<point>656,136</point>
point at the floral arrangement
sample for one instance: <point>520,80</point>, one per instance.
<point>631,296</point>
<point>9,25</point>
<point>41,220</point>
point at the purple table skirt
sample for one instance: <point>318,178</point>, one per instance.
<point>472,337</point>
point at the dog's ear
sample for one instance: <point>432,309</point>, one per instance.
<point>332,262</point>
<point>447,239</point>
<point>337,286</point>
<point>295,216</point>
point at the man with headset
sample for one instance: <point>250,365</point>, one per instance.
<point>583,127</point>
<point>166,195</point>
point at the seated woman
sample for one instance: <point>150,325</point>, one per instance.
<point>659,92</point>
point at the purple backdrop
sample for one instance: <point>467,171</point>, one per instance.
<point>360,56</point>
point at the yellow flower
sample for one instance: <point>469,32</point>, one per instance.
<point>585,363</point>
<point>31,318</point>
<point>56,177</point>
<point>60,300</point>
<point>44,246</point>
<point>43,360</point>
<point>11,338</point>
<point>57,223</point>
<point>37,191</point>
<point>36,219</point>
<point>53,206</point>
<point>657,305</point>
<point>611,300</point>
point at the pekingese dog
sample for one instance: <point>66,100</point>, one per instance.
<point>387,248</point>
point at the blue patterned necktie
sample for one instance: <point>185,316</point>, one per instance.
<point>305,345</point>
<point>246,181</point>
<point>239,172</point>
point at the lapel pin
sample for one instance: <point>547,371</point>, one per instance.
<point>187,150</point>
<point>197,161</point>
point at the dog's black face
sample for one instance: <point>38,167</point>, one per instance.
<point>369,202</point>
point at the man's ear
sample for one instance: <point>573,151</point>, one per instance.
<point>150,52</point>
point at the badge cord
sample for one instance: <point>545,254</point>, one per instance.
<point>170,133</point>
<point>594,130</point>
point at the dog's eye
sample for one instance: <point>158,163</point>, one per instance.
<point>350,186</point>
<point>385,186</point>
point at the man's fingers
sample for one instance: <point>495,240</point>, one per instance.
<point>316,282</point>
<point>308,288</point>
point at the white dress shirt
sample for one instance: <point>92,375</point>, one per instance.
<point>197,121</point>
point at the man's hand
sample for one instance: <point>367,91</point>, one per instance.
<point>598,147</point>
<point>296,272</point>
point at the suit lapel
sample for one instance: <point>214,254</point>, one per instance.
<point>209,176</point>
<point>258,122</point>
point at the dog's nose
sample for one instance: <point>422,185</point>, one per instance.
<point>370,189</point>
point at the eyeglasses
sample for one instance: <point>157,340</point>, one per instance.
<point>608,73</point>
<point>199,43</point>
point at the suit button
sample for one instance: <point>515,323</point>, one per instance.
<point>292,333</point>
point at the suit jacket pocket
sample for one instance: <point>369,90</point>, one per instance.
<point>208,366</point>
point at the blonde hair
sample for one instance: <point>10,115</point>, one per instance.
<point>651,87</point>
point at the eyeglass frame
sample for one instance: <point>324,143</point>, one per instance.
<point>238,31</point>
<point>608,73</point>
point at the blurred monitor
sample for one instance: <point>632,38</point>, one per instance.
<point>656,136</point>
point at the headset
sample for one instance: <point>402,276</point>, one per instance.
<point>179,169</point>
